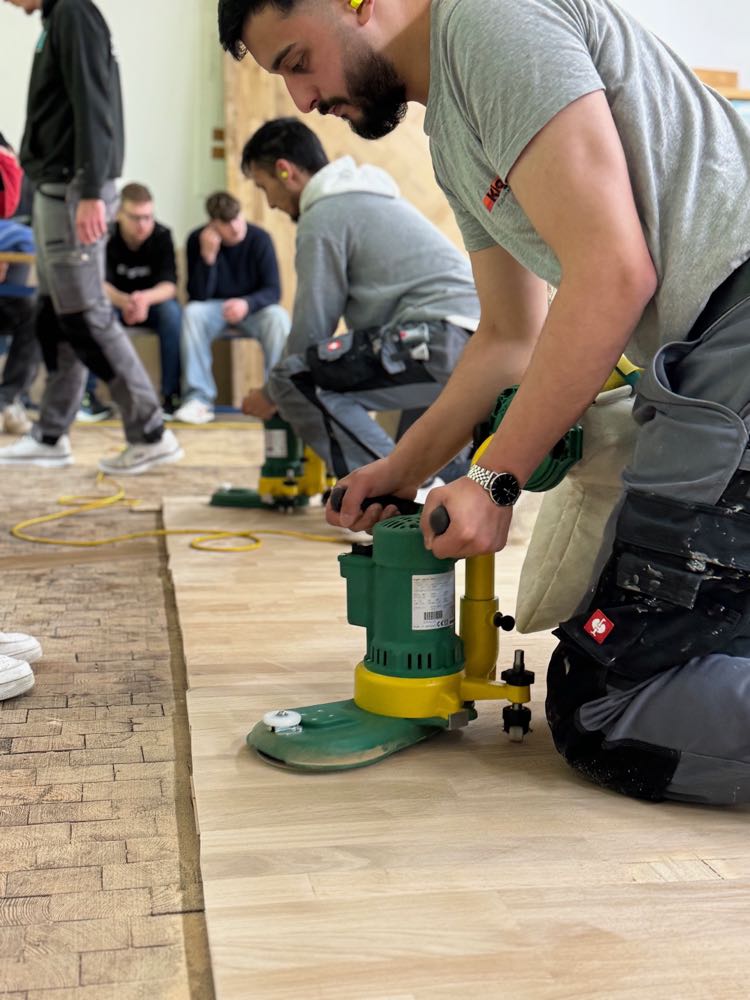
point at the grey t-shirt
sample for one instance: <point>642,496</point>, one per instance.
<point>501,71</point>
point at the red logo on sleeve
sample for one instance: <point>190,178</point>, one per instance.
<point>494,191</point>
<point>598,626</point>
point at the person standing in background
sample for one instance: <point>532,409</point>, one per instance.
<point>72,150</point>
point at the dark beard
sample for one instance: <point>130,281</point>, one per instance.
<point>379,95</point>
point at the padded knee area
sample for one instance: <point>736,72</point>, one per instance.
<point>636,770</point>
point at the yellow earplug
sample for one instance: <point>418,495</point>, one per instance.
<point>356,4</point>
<point>284,174</point>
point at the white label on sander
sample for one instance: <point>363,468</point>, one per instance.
<point>433,601</point>
<point>275,444</point>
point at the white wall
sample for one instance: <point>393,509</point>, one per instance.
<point>711,35</point>
<point>171,66</point>
<point>172,81</point>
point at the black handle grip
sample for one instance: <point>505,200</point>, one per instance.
<point>403,505</point>
<point>440,520</point>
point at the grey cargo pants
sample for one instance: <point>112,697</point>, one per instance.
<point>77,326</point>
<point>649,689</point>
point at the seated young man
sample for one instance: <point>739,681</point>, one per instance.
<point>142,282</point>
<point>363,253</point>
<point>17,308</point>
<point>234,289</point>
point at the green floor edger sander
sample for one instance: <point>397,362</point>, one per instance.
<point>290,476</point>
<point>417,677</point>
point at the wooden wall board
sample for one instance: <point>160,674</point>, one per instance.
<point>464,864</point>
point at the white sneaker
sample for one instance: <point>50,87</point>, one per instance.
<point>15,419</point>
<point>20,646</point>
<point>195,411</point>
<point>28,451</point>
<point>16,677</point>
<point>139,458</point>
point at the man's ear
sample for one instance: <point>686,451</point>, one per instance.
<point>362,8</point>
<point>284,169</point>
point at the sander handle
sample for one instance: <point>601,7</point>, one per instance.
<point>439,518</point>
<point>404,506</point>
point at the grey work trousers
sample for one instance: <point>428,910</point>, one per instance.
<point>649,721</point>
<point>77,326</point>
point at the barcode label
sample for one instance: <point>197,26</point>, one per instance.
<point>433,601</point>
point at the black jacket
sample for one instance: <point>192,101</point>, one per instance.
<point>74,124</point>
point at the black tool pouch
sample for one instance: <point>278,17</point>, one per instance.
<point>365,359</point>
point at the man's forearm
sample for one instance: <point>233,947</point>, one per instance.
<point>116,297</point>
<point>581,342</point>
<point>489,364</point>
<point>162,292</point>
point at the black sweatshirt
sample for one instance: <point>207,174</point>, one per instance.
<point>247,271</point>
<point>74,123</point>
<point>135,270</point>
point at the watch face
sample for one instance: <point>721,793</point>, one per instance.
<point>505,489</point>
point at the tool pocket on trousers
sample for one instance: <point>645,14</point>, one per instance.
<point>75,284</point>
<point>645,637</point>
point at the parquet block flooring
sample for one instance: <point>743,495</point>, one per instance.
<point>100,893</point>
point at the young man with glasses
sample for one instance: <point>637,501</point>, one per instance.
<point>142,282</point>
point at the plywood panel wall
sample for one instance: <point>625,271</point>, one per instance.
<point>253,97</point>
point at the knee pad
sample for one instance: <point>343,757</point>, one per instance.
<point>677,585</point>
<point>641,771</point>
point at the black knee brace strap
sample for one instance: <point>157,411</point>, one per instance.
<point>677,585</point>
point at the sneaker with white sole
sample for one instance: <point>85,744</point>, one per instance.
<point>139,458</point>
<point>16,677</point>
<point>20,646</point>
<point>28,451</point>
<point>15,419</point>
<point>194,411</point>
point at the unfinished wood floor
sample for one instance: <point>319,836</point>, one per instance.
<point>466,865</point>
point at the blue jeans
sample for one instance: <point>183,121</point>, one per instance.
<point>203,323</point>
<point>165,320</point>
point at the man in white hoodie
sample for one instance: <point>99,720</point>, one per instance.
<point>363,253</point>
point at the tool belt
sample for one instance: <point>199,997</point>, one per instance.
<point>373,358</point>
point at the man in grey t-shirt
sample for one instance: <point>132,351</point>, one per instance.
<point>408,315</point>
<point>576,148</point>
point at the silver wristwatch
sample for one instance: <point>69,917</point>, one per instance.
<point>503,487</point>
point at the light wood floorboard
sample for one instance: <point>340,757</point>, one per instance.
<point>466,864</point>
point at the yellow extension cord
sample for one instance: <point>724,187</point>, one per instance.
<point>84,504</point>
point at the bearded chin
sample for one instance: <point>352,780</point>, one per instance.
<point>380,96</point>
<point>378,120</point>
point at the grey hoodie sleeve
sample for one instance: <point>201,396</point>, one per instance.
<point>322,285</point>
